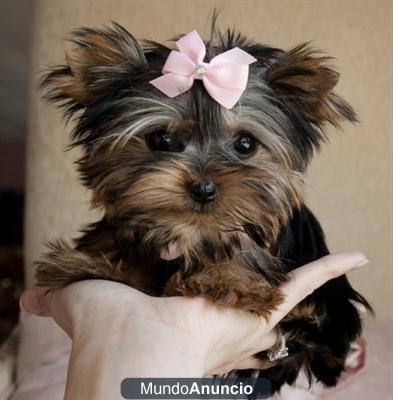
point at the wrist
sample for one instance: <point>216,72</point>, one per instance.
<point>132,347</point>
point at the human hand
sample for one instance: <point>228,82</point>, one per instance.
<point>118,331</point>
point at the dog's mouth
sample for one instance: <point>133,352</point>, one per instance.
<point>225,247</point>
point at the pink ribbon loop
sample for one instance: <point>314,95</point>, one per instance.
<point>225,77</point>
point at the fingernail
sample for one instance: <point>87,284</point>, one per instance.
<point>360,307</point>
<point>364,261</point>
<point>21,304</point>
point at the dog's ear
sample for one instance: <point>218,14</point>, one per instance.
<point>93,70</point>
<point>303,80</point>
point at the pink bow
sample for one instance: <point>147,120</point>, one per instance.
<point>225,77</point>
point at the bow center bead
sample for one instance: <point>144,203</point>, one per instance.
<point>200,71</point>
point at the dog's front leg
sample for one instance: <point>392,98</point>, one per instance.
<point>229,285</point>
<point>63,265</point>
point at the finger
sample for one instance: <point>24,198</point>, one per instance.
<point>36,301</point>
<point>267,341</point>
<point>251,362</point>
<point>255,339</point>
<point>313,275</point>
<point>361,308</point>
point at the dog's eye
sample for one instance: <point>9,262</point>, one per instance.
<point>245,143</point>
<point>164,141</point>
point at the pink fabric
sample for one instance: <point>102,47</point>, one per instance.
<point>225,77</point>
<point>42,359</point>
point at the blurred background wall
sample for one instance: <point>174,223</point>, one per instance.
<point>14,40</point>
<point>350,182</point>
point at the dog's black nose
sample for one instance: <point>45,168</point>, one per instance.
<point>203,192</point>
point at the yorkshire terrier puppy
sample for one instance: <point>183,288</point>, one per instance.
<point>201,198</point>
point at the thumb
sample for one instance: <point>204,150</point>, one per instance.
<point>309,277</point>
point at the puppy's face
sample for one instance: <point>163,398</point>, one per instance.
<point>186,172</point>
